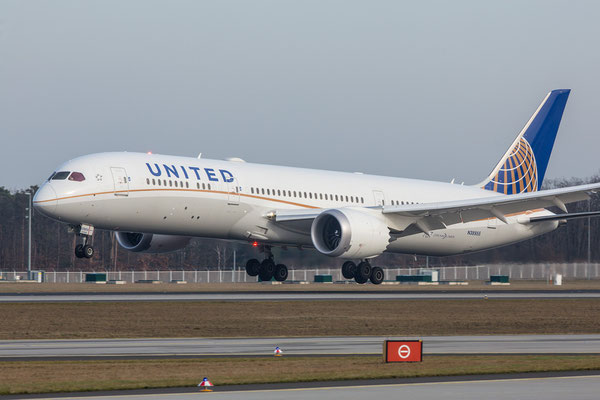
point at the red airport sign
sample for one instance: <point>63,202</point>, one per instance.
<point>403,350</point>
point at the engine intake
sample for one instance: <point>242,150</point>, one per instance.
<point>349,233</point>
<point>151,243</point>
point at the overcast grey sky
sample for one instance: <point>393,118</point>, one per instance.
<point>431,90</point>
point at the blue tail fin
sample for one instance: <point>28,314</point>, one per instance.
<point>523,167</point>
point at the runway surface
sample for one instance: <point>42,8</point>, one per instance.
<point>314,346</point>
<point>278,296</point>
<point>547,388</point>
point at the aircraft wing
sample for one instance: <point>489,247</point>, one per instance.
<point>495,206</point>
<point>404,220</point>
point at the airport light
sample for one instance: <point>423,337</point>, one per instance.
<point>28,216</point>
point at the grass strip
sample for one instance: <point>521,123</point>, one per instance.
<point>66,376</point>
<point>298,318</point>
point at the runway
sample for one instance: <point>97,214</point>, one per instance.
<point>297,296</point>
<point>546,388</point>
<point>309,346</point>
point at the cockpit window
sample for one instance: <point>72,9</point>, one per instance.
<point>50,177</point>
<point>60,175</point>
<point>77,176</point>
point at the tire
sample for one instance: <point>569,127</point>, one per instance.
<point>267,269</point>
<point>363,271</point>
<point>88,251</point>
<point>79,251</point>
<point>348,269</point>
<point>281,273</point>
<point>377,275</point>
<point>360,279</point>
<point>252,267</point>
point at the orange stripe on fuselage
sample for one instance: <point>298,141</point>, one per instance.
<point>180,190</point>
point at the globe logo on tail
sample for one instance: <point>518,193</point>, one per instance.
<point>518,174</point>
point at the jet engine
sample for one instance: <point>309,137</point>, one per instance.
<point>151,243</point>
<point>349,233</point>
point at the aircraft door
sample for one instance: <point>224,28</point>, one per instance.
<point>233,192</point>
<point>379,197</point>
<point>120,180</point>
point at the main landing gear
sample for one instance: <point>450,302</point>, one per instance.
<point>267,269</point>
<point>83,249</point>
<point>363,272</point>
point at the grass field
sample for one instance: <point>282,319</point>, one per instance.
<point>62,376</point>
<point>21,287</point>
<point>298,318</point>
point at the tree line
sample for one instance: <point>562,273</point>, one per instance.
<point>52,245</point>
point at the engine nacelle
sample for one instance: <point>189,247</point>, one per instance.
<point>350,233</point>
<point>151,243</point>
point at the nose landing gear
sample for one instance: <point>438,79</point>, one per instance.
<point>84,250</point>
<point>363,272</point>
<point>267,269</point>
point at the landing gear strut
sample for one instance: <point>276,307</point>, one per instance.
<point>83,249</point>
<point>267,269</point>
<point>363,272</point>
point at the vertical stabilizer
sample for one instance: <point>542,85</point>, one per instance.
<point>523,166</point>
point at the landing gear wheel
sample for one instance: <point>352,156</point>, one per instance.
<point>348,269</point>
<point>88,251</point>
<point>281,273</point>
<point>363,271</point>
<point>79,251</point>
<point>377,275</point>
<point>267,269</point>
<point>360,279</point>
<point>252,267</point>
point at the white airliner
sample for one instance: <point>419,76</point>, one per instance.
<point>156,203</point>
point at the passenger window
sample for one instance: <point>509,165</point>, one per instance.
<point>346,198</point>
<point>321,196</point>
<point>153,181</point>
<point>164,182</point>
<point>147,181</point>
<point>362,200</point>
<point>295,194</point>
<point>336,197</point>
<point>278,192</point>
<point>310,194</point>
<point>305,196</point>
<point>175,183</point>
<point>263,190</point>
<point>187,185</point>
<point>59,176</point>
<point>269,191</point>
<point>170,183</point>
<point>252,190</point>
<point>203,186</point>
<point>209,186</point>
<point>159,182</point>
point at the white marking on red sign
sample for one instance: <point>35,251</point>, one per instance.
<point>404,351</point>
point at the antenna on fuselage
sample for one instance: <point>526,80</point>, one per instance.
<point>199,155</point>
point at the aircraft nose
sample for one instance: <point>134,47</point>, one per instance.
<point>45,199</point>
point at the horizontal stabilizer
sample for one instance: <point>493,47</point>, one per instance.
<point>559,217</point>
